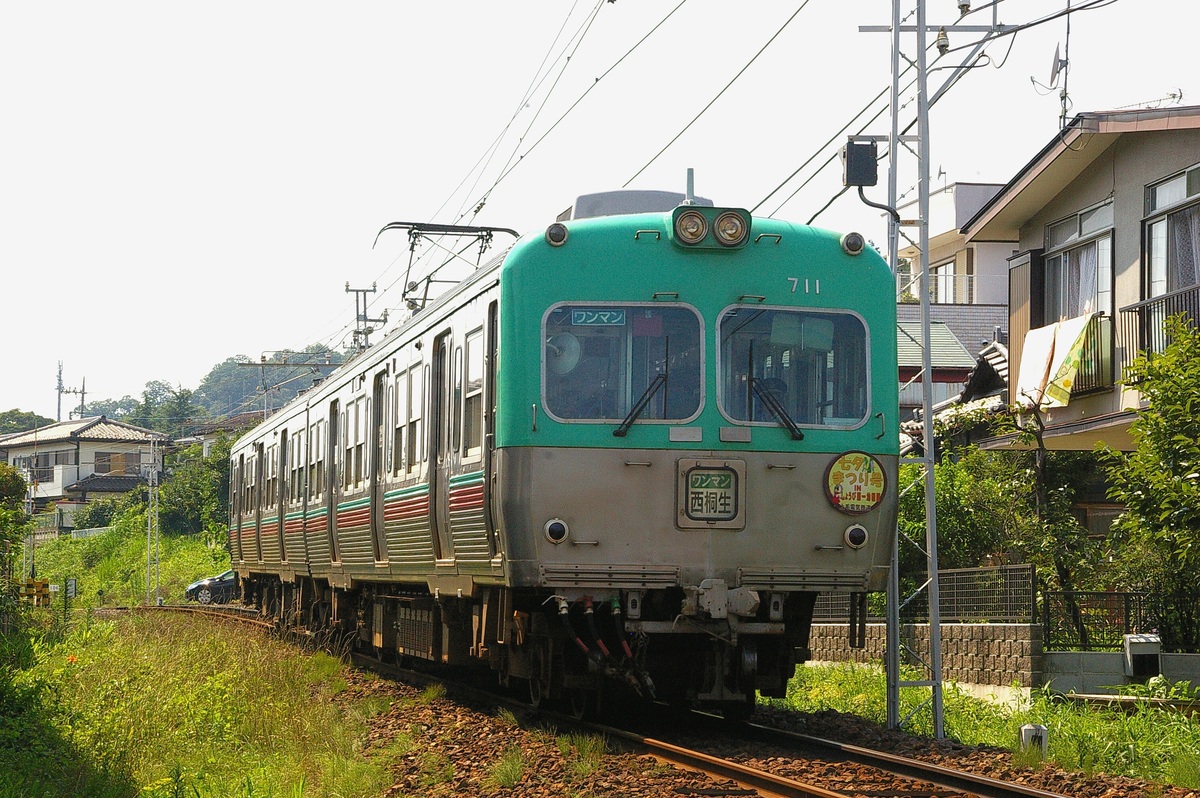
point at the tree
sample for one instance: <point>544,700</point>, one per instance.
<point>1159,483</point>
<point>123,409</point>
<point>13,519</point>
<point>21,421</point>
<point>195,494</point>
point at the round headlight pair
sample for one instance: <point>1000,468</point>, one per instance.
<point>730,228</point>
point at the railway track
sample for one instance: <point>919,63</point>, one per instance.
<point>741,760</point>
<point>860,771</point>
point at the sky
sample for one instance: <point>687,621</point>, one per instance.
<point>181,183</point>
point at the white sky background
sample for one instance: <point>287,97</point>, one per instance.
<point>180,183</point>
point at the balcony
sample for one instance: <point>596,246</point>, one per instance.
<point>1142,323</point>
<point>1063,360</point>
<point>1096,363</point>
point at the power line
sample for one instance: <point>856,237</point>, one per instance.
<point>719,94</point>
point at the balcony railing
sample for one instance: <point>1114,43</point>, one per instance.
<point>1095,366</point>
<point>1142,323</point>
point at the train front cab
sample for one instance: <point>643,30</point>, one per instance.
<point>707,443</point>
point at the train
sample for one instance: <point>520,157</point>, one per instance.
<point>622,457</point>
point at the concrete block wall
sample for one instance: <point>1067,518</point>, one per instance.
<point>999,654</point>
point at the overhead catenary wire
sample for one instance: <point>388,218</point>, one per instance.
<point>1090,5</point>
<point>537,80</point>
<point>516,160</point>
<point>542,75</point>
<point>719,94</point>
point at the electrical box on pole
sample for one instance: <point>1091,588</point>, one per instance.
<point>860,163</point>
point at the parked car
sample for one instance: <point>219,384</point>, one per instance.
<point>212,589</point>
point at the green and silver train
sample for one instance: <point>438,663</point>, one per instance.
<point>628,453</point>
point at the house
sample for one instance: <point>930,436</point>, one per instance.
<point>968,285</point>
<point>1107,223</point>
<point>72,462</point>
<point>949,359</point>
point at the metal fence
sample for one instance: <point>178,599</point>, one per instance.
<point>1142,322</point>
<point>1091,621</point>
<point>999,594</point>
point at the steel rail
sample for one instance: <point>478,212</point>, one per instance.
<point>976,784</point>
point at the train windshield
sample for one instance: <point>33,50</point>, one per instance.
<point>599,360</point>
<point>813,366</point>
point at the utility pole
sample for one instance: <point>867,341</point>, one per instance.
<point>933,663</point>
<point>152,530</point>
<point>61,390</point>
<point>362,332</point>
<point>283,362</point>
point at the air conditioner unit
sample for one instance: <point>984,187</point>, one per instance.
<point>1142,656</point>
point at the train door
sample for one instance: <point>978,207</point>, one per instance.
<point>281,496</point>
<point>441,462</point>
<point>489,428</point>
<point>238,483</point>
<point>332,481</point>
<point>260,495</point>
<point>378,427</point>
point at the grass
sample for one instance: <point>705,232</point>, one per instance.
<point>111,567</point>
<point>584,753</point>
<point>1149,743</point>
<point>509,771</point>
<point>160,707</point>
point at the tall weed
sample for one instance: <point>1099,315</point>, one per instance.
<point>180,706</point>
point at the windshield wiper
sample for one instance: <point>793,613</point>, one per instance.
<point>655,384</point>
<point>776,407</point>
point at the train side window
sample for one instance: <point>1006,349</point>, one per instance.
<point>473,394</point>
<point>415,452</point>
<point>400,411</point>
<point>361,416</point>
<point>813,363</point>
<point>316,461</point>
<point>269,476</point>
<point>599,361</point>
<point>456,394</point>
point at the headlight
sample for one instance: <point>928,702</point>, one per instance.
<point>731,229</point>
<point>691,227</point>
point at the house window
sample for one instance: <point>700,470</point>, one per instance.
<point>1079,264</point>
<point>1173,232</point>
<point>118,463</point>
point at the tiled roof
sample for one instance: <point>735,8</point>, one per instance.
<point>946,351</point>
<point>96,428</point>
<point>105,483</point>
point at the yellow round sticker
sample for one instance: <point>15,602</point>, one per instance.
<point>855,482</point>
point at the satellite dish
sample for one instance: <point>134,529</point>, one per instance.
<point>1056,67</point>
<point>562,353</point>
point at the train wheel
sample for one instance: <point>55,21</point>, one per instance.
<point>535,691</point>
<point>582,702</point>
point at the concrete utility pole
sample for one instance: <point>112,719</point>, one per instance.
<point>152,532</point>
<point>933,664</point>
